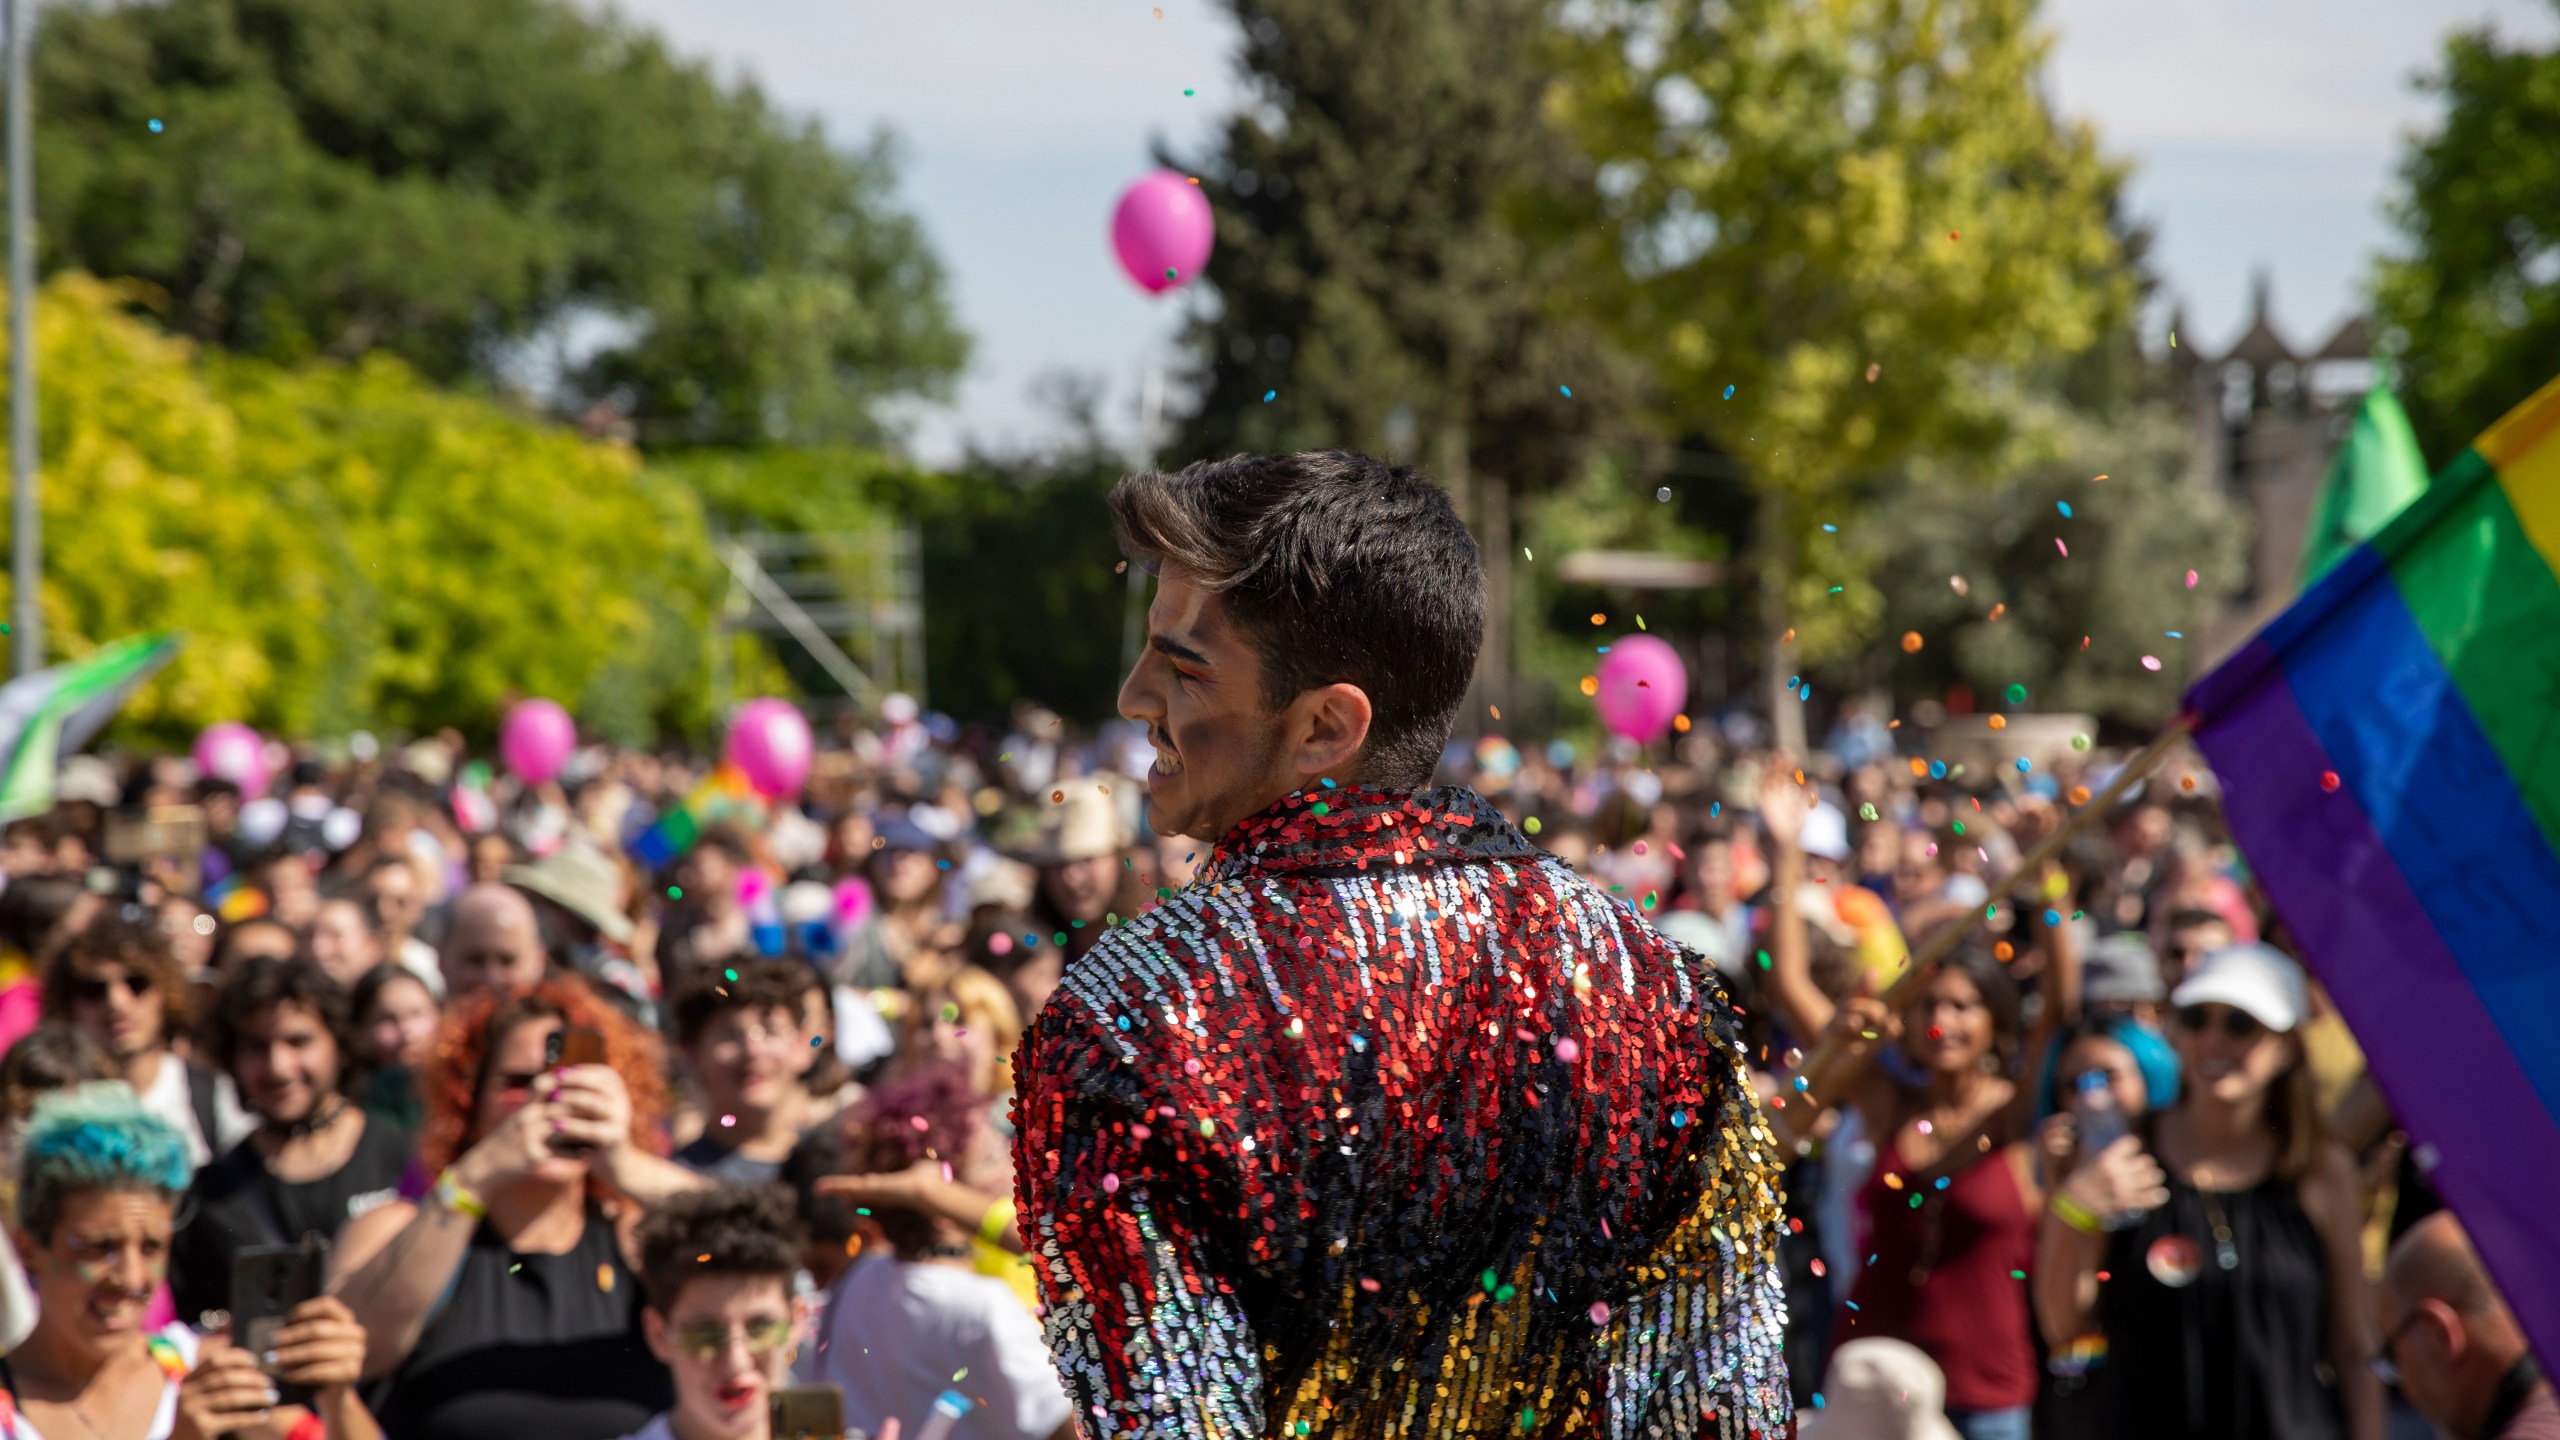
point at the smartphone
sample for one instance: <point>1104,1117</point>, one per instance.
<point>267,1283</point>
<point>807,1412</point>
<point>572,1045</point>
<point>172,832</point>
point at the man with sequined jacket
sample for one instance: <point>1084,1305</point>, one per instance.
<point>1390,1123</point>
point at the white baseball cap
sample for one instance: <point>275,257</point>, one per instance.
<point>2259,980</point>
<point>1826,833</point>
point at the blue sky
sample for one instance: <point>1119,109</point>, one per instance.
<point>2263,133</point>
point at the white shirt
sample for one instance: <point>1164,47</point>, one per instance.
<point>897,1333</point>
<point>170,1099</point>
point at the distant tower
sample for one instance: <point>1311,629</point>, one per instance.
<point>2267,418</point>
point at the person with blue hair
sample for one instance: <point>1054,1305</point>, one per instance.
<point>99,1179</point>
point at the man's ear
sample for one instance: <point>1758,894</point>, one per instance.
<point>653,1328</point>
<point>1328,727</point>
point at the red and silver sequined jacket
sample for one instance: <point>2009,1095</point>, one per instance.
<point>1391,1124</point>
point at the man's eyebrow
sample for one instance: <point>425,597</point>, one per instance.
<point>1177,650</point>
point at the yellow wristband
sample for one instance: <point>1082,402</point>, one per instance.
<point>999,1219</point>
<point>450,1195</point>
<point>2076,1215</point>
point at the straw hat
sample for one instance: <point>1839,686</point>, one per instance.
<point>580,881</point>
<point>1085,822</point>
<point>1879,1389</point>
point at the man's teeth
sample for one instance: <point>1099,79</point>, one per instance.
<point>1168,763</point>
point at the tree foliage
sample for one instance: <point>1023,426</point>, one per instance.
<point>2072,627</point>
<point>344,546</point>
<point>471,184</point>
<point>2475,295</point>
<point>1850,230</point>
<point>1398,258</point>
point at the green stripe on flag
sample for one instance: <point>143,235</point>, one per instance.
<point>2485,598</point>
<point>101,678</point>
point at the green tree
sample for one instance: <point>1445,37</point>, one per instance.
<point>2474,296</point>
<point>461,182</point>
<point>1397,260</point>
<point>1851,231</point>
<point>343,546</point>
<point>1947,553</point>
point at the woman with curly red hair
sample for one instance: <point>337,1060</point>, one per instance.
<point>505,1302</point>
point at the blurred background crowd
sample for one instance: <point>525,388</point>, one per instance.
<point>347,999</point>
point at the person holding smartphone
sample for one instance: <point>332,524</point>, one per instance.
<point>505,1302</point>
<point>98,1183</point>
<point>717,1268</point>
<point>283,1033</point>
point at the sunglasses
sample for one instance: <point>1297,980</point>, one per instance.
<point>95,990</point>
<point>710,1340</point>
<point>2386,1369</point>
<point>2236,1024</point>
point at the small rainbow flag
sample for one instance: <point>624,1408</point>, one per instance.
<point>2389,750</point>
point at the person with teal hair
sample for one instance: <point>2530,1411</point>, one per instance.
<point>98,1182</point>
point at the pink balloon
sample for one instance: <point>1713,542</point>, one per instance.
<point>234,752</point>
<point>1162,230</point>
<point>536,740</point>
<point>1642,685</point>
<point>770,742</point>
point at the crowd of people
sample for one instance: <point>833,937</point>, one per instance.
<point>613,1105</point>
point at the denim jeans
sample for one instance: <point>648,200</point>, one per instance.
<point>1990,1424</point>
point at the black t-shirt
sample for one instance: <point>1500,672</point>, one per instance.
<point>237,1202</point>
<point>530,1347</point>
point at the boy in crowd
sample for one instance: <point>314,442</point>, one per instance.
<point>740,1030</point>
<point>717,1266</point>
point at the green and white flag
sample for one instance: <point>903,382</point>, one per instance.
<point>48,716</point>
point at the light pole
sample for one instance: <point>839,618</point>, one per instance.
<point>26,535</point>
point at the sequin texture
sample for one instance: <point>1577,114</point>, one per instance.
<point>1390,1124</point>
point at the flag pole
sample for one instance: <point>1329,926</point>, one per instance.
<point>26,536</point>
<point>1817,1070</point>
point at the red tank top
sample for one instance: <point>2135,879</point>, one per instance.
<point>1942,1277</point>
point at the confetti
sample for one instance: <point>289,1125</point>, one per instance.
<point>1568,1050</point>
<point>2058,545</point>
<point>1873,369</point>
<point>1662,493</point>
<point>1997,722</point>
<point>2064,506</point>
<point>1830,529</point>
<point>2329,781</point>
<point>1728,392</point>
<point>2150,662</point>
<point>1565,390</point>
<point>2191,579</point>
<point>1958,585</point>
<point>156,127</point>
<point>1590,685</point>
<point>1159,12</point>
<point>1911,642</point>
<point>1599,1312</point>
<point>2079,742</point>
<point>2017,694</point>
<point>1270,395</point>
<point>2025,764</point>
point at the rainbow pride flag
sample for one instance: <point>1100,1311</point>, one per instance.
<point>2389,750</point>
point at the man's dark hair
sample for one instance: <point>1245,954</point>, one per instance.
<point>266,982</point>
<point>819,1153</point>
<point>138,946</point>
<point>729,840</point>
<point>761,985</point>
<point>1336,567</point>
<point>747,1230</point>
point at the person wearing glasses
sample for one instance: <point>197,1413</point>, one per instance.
<point>504,1304</point>
<point>117,979</point>
<point>2451,1344</point>
<point>717,1267</point>
<point>2227,1228</point>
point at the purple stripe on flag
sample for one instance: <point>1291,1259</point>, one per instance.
<point>2438,1056</point>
